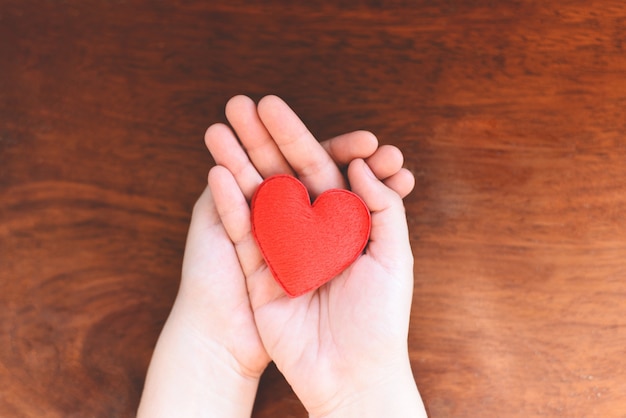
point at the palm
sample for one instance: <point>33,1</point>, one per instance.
<point>213,280</point>
<point>313,338</point>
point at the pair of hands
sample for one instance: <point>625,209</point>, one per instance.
<point>343,347</point>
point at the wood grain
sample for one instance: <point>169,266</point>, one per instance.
<point>511,114</point>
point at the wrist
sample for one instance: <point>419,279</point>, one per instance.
<point>394,394</point>
<point>190,376</point>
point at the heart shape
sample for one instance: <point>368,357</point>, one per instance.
<point>306,245</point>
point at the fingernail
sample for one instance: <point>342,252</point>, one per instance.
<point>368,171</point>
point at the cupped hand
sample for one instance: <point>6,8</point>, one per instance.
<point>341,342</point>
<point>209,356</point>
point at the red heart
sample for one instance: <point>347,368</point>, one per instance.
<point>306,245</point>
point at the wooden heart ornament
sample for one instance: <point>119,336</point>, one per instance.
<point>305,245</point>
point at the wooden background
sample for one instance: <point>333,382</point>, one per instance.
<point>510,113</point>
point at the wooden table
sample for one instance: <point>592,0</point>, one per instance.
<point>511,114</point>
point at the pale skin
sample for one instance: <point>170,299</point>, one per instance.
<point>342,348</point>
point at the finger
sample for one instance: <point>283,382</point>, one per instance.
<point>234,213</point>
<point>402,182</point>
<point>386,161</point>
<point>314,167</point>
<point>262,151</point>
<point>345,148</point>
<point>227,152</point>
<point>389,238</point>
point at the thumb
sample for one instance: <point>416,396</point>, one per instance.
<point>389,239</point>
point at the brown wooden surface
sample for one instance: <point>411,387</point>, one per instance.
<point>511,114</point>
